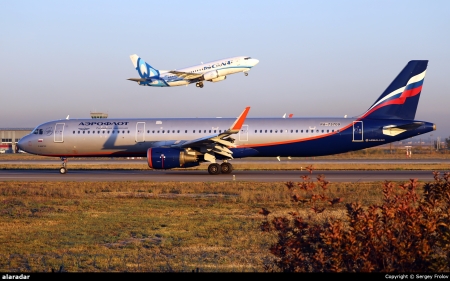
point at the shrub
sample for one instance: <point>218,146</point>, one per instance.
<point>405,233</point>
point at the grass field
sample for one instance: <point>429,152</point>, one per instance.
<point>145,226</point>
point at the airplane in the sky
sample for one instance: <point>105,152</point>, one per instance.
<point>186,142</point>
<point>214,71</point>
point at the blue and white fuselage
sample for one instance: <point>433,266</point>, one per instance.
<point>214,71</point>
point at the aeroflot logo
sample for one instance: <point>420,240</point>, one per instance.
<point>102,123</point>
<point>225,63</point>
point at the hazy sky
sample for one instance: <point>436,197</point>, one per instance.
<point>317,58</point>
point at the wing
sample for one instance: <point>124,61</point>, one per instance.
<point>217,143</point>
<point>186,75</point>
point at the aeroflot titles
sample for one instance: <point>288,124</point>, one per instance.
<point>102,123</point>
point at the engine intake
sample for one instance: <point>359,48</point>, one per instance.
<point>168,158</point>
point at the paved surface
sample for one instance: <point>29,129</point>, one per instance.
<point>199,176</point>
<point>273,160</point>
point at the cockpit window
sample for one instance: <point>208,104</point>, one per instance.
<point>38,131</point>
<point>247,58</point>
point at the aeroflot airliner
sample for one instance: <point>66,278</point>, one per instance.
<point>186,142</point>
<point>214,71</point>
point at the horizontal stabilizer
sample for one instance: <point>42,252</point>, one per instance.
<point>393,130</point>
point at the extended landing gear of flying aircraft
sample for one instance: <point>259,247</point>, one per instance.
<point>63,169</point>
<point>199,84</point>
<point>224,168</point>
<point>246,73</point>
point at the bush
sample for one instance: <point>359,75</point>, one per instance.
<point>406,233</point>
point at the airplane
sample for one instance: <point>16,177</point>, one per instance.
<point>187,142</point>
<point>214,71</point>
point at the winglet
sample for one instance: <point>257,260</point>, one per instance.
<point>237,125</point>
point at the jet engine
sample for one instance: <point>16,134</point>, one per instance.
<point>208,76</point>
<point>220,78</point>
<point>168,158</point>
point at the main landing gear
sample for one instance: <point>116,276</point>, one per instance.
<point>199,84</point>
<point>224,168</point>
<point>63,168</point>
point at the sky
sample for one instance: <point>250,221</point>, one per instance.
<point>317,58</point>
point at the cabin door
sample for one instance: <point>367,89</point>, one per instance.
<point>59,130</point>
<point>140,132</point>
<point>358,131</point>
<point>243,133</point>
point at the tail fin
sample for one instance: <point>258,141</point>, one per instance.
<point>144,69</point>
<point>400,99</point>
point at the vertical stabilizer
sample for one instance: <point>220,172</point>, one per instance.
<point>400,99</point>
<point>144,69</point>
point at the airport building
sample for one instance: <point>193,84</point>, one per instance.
<point>10,137</point>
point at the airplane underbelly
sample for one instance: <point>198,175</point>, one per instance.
<point>178,83</point>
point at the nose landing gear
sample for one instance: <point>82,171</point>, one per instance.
<point>246,73</point>
<point>63,168</point>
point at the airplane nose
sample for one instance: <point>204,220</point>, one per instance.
<point>21,143</point>
<point>255,61</point>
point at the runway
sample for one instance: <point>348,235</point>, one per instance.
<point>203,176</point>
<point>284,160</point>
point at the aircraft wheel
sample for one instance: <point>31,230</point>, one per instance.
<point>226,168</point>
<point>200,84</point>
<point>197,84</point>
<point>246,74</point>
<point>63,170</point>
<point>214,169</point>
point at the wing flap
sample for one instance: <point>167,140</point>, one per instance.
<point>217,143</point>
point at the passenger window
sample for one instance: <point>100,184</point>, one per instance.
<point>276,131</point>
<point>214,131</point>
<point>148,131</point>
<point>306,130</point>
<point>256,131</point>
<point>220,131</point>
<point>89,132</point>
<point>93,132</point>
<point>158,131</point>
<point>163,131</point>
<point>322,131</point>
<point>41,131</point>
<point>297,131</point>
<point>173,131</point>
<point>317,131</point>
<point>270,131</point>
<point>185,131</point>
<point>193,131</point>
<point>328,131</point>
<point>108,132</point>
<point>168,131</point>
<point>260,131</point>
<point>210,131</point>
<point>78,132</point>
<point>74,132</point>
<point>103,132</point>
<point>265,131</point>
<point>292,131</point>
<point>332,131</point>
<point>204,131</point>
<point>301,131</point>
<point>178,131</point>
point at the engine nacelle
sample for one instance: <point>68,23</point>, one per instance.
<point>220,78</point>
<point>168,158</point>
<point>211,75</point>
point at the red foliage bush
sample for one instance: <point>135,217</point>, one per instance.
<point>406,233</point>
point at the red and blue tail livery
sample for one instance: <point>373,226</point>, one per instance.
<point>401,98</point>
<point>186,142</point>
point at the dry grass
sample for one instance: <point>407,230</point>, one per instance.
<point>146,226</point>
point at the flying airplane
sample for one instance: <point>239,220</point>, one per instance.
<point>214,71</point>
<point>186,142</point>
